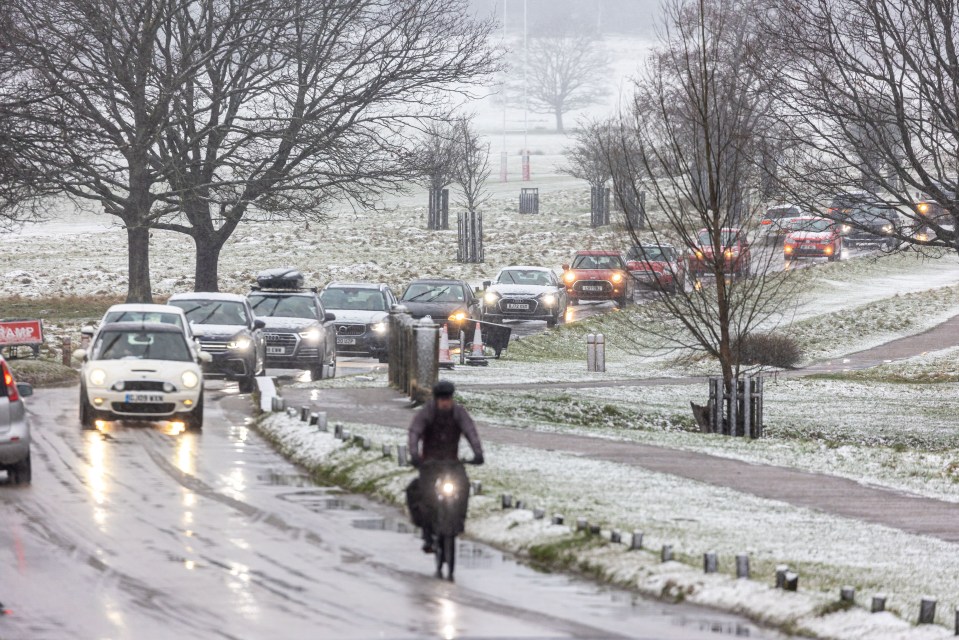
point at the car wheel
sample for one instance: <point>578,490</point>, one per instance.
<point>552,321</point>
<point>316,373</point>
<point>247,384</point>
<point>194,419</point>
<point>87,418</point>
<point>21,473</point>
<point>621,302</point>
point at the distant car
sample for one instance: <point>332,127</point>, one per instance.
<point>657,266</point>
<point>14,427</point>
<point>598,276</point>
<point>141,371</point>
<point>162,313</point>
<point>362,317</point>
<point>446,301</point>
<point>736,259</point>
<point>775,222</point>
<point>873,224</point>
<point>812,237</point>
<point>298,331</point>
<point>229,331</point>
<point>525,293</point>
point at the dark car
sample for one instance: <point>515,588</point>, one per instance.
<point>871,224</point>
<point>362,314</point>
<point>299,332</point>
<point>229,331</point>
<point>449,301</point>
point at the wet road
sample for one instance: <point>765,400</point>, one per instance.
<point>143,533</point>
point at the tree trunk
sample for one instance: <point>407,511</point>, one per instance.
<point>139,289</point>
<point>559,121</point>
<point>207,277</point>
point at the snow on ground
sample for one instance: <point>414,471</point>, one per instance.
<point>826,551</point>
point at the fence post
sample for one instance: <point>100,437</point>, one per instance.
<point>733,420</point>
<point>742,566</point>
<point>67,351</point>
<point>758,414</point>
<point>927,610</point>
<point>716,396</point>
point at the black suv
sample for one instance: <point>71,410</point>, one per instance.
<point>229,331</point>
<point>362,317</point>
<point>299,332</point>
<point>872,224</point>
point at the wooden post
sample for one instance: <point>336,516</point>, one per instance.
<point>746,430</point>
<point>927,610</point>
<point>401,460</point>
<point>667,553</point>
<point>742,566</point>
<point>637,542</point>
<point>710,562</point>
<point>581,524</point>
<point>615,536</point>
<point>506,501</point>
<point>758,418</point>
<point>387,451</point>
<point>847,594</point>
<point>878,603</point>
<point>594,530</point>
<point>730,427</point>
<point>558,519</point>
<point>781,576</point>
<point>67,351</point>
<point>791,581</point>
<point>539,514</point>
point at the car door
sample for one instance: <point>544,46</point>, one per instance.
<point>472,302</point>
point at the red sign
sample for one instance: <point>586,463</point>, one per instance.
<point>17,332</point>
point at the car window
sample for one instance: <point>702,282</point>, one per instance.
<point>729,238</point>
<point>273,306</point>
<point>651,253</point>
<point>141,345</point>
<point>597,262</point>
<point>353,299</point>
<point>427,292</point>
<point>144,316</point>
<point>814,225</point>
<point>529,277</point>
<point>778,213</point>
<point>226,312</point>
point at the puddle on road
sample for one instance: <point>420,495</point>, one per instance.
<point>321,500</point>
<point>286,479</point>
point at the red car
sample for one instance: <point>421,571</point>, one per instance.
<point>657,266</point>
<point>598,276</point>
<point>735,247</point>
<point>813,237</point>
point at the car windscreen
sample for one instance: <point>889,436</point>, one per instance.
<point>274,306</point>
<point>353,299</point>
<point>778,213</point>
<point>158,317</point>
<point>813,225</point>
<point>597,262</point>
<point>141,345</point>
<point>224,312</point>
<point>650,254</point>
<point>848,200</point>
<point>430,292</point>
<point>728,238</point>
<point>872,215</point>
<point>531,277</point>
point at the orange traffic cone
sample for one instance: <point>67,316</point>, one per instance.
<point>477,343</point>
<point>445,359</point>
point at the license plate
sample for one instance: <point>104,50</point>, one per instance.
<point>518,307</point>
<point>591,287</point>
<point>275,351</point>
<point>346,341</point>
<point>143,397</point>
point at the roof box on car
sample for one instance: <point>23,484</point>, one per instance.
<point>282,278</point>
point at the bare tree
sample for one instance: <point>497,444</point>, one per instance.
<point>564,72</point>
<point>695,132</point>
<point>472,175</point>
<point>88,101</point>
<point>303,102</point>
<point>588,157</point>
<point>872,97</point>
<point>434,160</point>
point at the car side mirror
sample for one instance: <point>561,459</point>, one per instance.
<point>329,317</point>
<point>80,354</point>
<point>25,390</point>
<point>204,357</point>
<point>87,331</point>
<point>565,267</point>
<point>487,284</point>
<point>259,324</point>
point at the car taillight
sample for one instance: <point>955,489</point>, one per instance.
<point>12,394</point>
<point>766,221</point>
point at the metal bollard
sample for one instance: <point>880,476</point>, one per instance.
<point>594,530</point>
<point>710,562</point>
<point>304,414</point>
<point>781,576</point>
<point>791,581</point>
<point>927,610</point>
<point>591,352</point>
<point>666,554</point>
<point>879,603</point>
<point>520,504</point>
<point>366,444</point>
<point>314,419</point>
<point>637,542</point>
<point>401,460</point>
<point>279,404</point>
<point>345,435</point>
<point>847,594</point>
<point>387,451</point>
<point>338,431</point>
<point>615,537</point>
<point>67,351</point>
<point>558,519</point>
<point>321,422</point>
<point>539,514</point>
<point>600,353</point>
<point>506,501</point>
<point>581,524</point>
<point>742,566</point>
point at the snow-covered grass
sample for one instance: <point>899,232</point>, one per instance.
<point>934,367</point>
<point>826,551</point>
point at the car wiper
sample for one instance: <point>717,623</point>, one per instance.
<point>210,315</point>
<point>512,279</point>
<point>420,295</point>
<point>439,293</point>
<point>106,349</point>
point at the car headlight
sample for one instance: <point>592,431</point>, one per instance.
<point>378,327</point>
<point>311,335</point>
<point>846,228</point>
<point>241,344</point>
<point>98,377</point>
<point>570,277</point>
<point>617,277</point>
<point>887,228</point>
<point>699,255</point>
<point>189,379</point>
<point>923,208</point>
<point>458,316</point>
<point>549,299</point>
<point>491,297</point>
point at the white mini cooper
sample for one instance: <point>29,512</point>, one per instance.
<point>141,371</point>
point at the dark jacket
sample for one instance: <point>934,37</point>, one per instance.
<point>439,433</point>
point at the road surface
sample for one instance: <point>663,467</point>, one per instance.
<point>139,532</point>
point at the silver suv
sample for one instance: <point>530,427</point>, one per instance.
<point>14,428</point>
